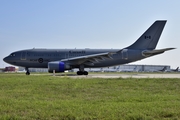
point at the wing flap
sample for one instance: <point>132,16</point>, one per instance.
<point>89,59</point>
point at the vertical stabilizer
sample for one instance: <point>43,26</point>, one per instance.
<point>150,38</point>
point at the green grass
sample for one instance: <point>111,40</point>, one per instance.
<point>47,97</point>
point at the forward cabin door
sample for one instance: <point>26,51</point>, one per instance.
<point>66,55</point>
<point>23,55</point>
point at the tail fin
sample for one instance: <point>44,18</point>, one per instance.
<point>162,70</point>
<point>176,69</point>
<point>150,38</point>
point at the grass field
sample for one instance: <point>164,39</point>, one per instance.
<point>47,97</point>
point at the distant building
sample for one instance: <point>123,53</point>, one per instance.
<point>10,69</point>
<point>144,68</point>
<point>38,69</point>
<point>131,68</point>
<point>2,70</point>
<point>21,69</point>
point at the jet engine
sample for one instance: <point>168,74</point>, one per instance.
<point>58,66</point>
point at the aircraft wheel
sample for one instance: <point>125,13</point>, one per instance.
<point>85,73</point>
<point>79,73</point>
<point>82,73</point>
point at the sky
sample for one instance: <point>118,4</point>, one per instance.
<point>26,24</point>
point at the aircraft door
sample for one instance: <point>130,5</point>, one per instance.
<point>23,55</point>
<point>67,55</point>
<point>125,54</point>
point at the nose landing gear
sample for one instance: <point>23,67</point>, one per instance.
<point>27,71</point>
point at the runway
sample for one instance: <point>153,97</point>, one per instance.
<point>124,75</point>
<point>138,76</point>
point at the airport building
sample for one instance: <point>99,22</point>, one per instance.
<point>145,68</point>
<point>34,69</point>
<point>2,70</point>
<point>10,69</point>
<point>130,68</point>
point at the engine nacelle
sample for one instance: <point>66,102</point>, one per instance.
<point>58,66</point>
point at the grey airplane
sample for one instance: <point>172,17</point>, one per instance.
<point>60,60</point>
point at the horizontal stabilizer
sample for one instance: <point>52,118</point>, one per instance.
<point>148,53</point>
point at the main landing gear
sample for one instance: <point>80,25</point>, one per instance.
<point>81,71</point>
<point>27,71</point>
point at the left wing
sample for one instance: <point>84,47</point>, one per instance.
<point>88,59</point>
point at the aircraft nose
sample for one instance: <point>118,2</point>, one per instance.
<point>5,59</point>
<point>9,60</point>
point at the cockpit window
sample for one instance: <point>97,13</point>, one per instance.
<point>13,54</point>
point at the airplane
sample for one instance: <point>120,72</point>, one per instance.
<point>59,60</point>
<point>162,70</point>
<point>175,70</point>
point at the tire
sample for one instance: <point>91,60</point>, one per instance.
<point>79,73</point>
<point>85,73</point>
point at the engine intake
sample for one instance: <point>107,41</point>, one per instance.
<point>58,66</point>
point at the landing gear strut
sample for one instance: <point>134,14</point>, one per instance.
<point>81,71</point>
<point>27,71</point>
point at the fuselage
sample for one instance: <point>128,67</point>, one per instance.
<point>39,58</point>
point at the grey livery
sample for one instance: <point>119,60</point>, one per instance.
<point>59,60</point>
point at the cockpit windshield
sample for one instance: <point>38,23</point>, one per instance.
<point>13,54</point>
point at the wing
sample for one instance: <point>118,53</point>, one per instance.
<point>88,59</point>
